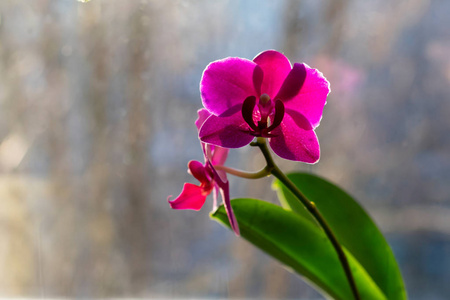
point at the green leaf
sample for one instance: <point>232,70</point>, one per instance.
<point>352,226</point>
<point>300,245</point>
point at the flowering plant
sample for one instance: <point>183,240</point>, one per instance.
<point>319,231</point>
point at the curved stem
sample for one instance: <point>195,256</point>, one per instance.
<point>311,207</point>
<point>256,175</point>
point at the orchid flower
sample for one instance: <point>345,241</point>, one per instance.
<point>211,180</point>
<point>266,97</point>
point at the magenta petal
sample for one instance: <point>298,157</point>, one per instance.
<point>226,82</point>
<point>276,68</point>
<point>225,191</point>
<point>299,119</point>
<point>219,155</point>
<point>258,76</point>
<point>295,143</point>
<point>227,132</point>
<point>312,97</point>
<point>192,197</point>
<point>224,187</point>
<point>197,169</point>
<point>203,114</point>
<point>293,82</point>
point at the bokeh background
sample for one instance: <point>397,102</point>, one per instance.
<point>97,104</point>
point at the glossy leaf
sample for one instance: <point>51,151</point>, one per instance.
<point>352,226</point>
<point>300,245</point>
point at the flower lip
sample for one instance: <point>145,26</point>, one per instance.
<point>266,109</point>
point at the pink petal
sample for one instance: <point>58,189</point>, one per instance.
<point>198,170</point>
<point>224,187</point>
<point>227,82</point>
<point>192,197</point>
<point>227,132</point>
<point>295,143</point>
<point>219,155</point>
<point>299,119</point>
<point>276,68</point>
<point>225,192</point>
<point>293,83</point>
<point>312,97</point>
<point>203,114</point>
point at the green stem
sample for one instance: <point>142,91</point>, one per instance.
<point>256,175</point>
<point>311,207</point>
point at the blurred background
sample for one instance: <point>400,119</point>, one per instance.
<point>97,110</point>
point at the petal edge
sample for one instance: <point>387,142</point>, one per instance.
<point>191,197</point>
<point>227,82</point>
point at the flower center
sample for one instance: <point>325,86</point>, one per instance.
<point>266,109</point>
